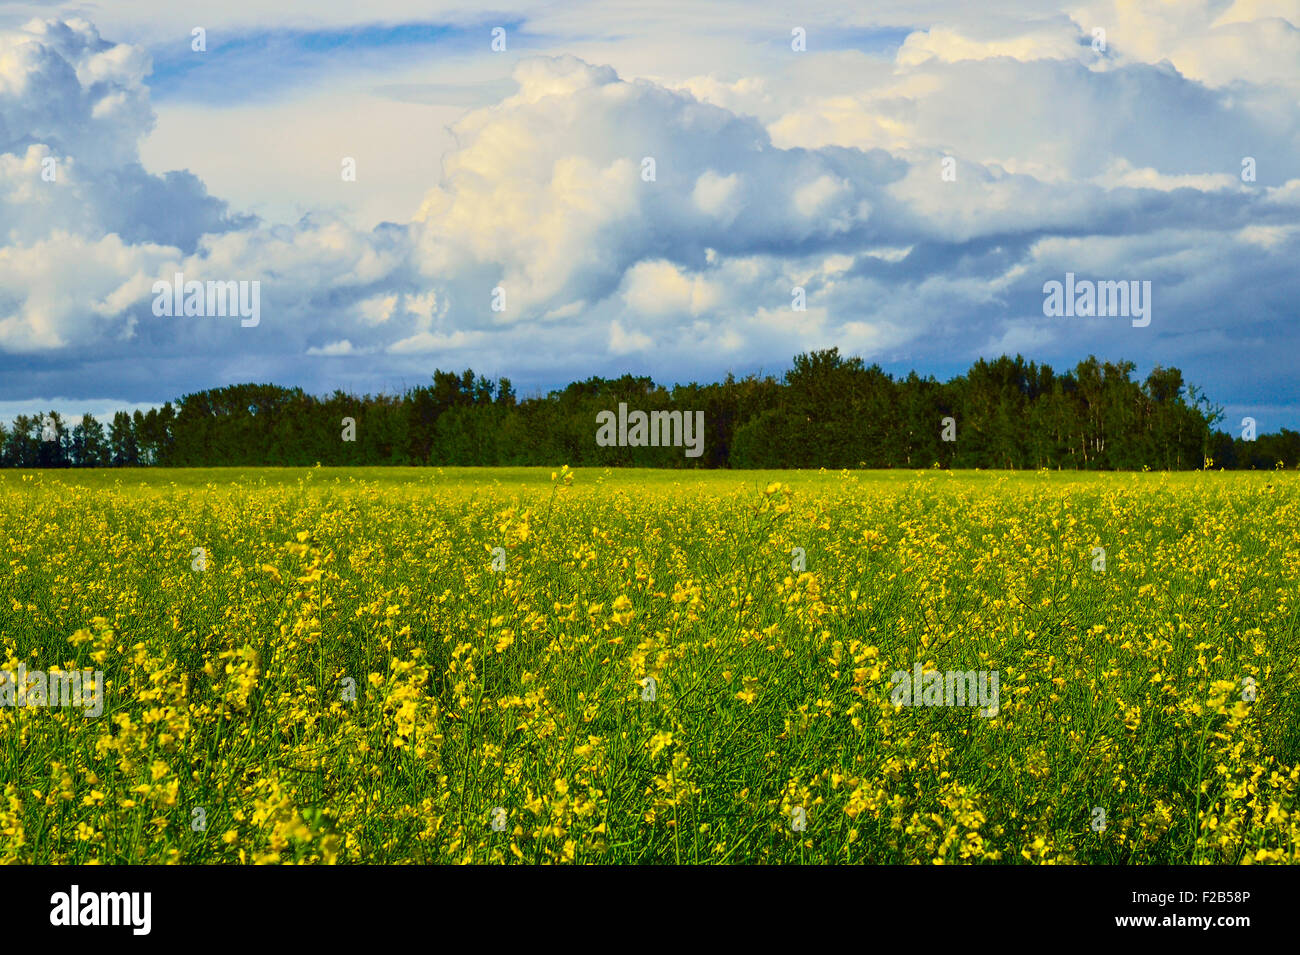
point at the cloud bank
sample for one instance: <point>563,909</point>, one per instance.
<point>914,203</point>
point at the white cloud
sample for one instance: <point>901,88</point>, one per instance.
<point>661,288</point>
<point>716,195</point>
<point>1123,173</point>
<point>1058,40</point>
<point>426,342</point>
<point>772,169</point>
<point>625,341</point>
<point>343,347</point>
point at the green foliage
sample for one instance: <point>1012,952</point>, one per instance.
<point>827,411</point>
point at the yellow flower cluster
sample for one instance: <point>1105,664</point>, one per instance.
<point>533,666</point>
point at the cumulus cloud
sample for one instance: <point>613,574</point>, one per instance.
<point>552,195</point>
<point>74,106</point>
<point>589,219</point>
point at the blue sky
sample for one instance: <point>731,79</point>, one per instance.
<point>919,169</point>
<point>269,65</point>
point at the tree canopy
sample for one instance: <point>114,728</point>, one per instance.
<point>826,411</point>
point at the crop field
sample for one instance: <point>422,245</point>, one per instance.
<point>519,665</point>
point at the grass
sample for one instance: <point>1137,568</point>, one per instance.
<point>344,677</point>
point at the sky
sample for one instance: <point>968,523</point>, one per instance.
<point>640,187</point>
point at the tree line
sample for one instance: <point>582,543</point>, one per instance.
<point>826,411</point>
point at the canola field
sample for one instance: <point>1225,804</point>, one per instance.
<point>363,666</point>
